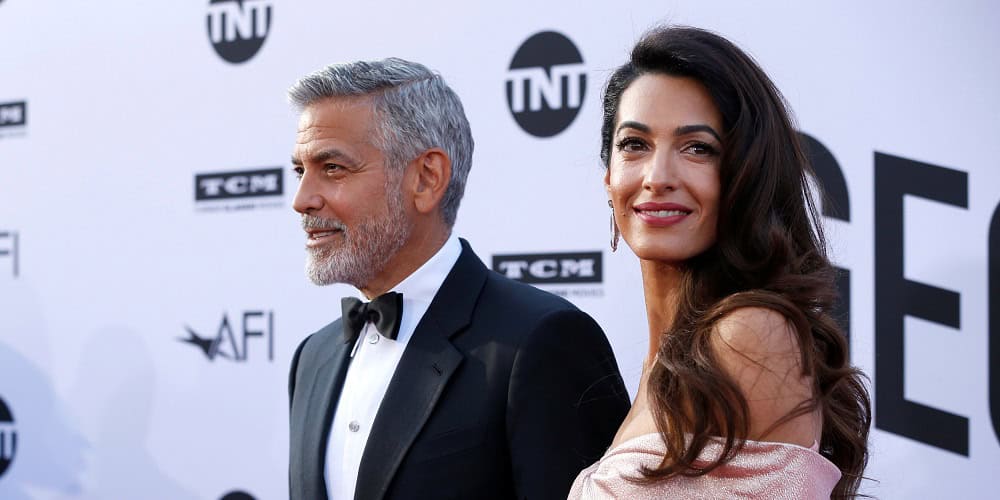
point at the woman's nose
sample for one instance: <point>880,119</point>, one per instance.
<point>661,173</point>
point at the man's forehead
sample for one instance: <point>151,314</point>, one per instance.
<point>337,117</point>
<point>330,105</point>
<point>334,124</point>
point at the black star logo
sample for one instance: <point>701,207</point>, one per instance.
<point>209,346</point>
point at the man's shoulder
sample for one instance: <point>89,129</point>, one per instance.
<point>501,291</point>
<point>329,330</point>
<point>527,319</point>
<point>521,299</point>
<point>316,341</point>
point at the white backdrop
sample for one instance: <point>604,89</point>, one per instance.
<point>109,110</point>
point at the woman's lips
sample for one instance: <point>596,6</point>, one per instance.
<point>661,214</point>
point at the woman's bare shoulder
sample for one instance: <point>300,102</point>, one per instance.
<point>759,348</point>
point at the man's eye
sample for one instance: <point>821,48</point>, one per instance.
<point>332,168</point>
<point>298,172</point>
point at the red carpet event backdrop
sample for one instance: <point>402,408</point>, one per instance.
<point>151,266</point>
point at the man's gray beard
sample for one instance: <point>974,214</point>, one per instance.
<point>365,250</point>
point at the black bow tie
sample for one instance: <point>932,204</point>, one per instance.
<point>385,312</point>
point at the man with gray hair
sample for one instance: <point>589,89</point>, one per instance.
<point>446,380</point>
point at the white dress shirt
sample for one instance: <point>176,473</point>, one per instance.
<point>374,361</point>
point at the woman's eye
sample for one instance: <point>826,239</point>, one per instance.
<point>631,144</point>
<point>701,149</point>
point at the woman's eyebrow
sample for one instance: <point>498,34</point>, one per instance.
<point>641,127</point>
<point>689,129</point>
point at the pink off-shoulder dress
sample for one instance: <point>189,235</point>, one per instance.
<point>760,470</point>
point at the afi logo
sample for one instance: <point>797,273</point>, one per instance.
<point>8,248</point>
<point>238,28</point>
<point>13,114</point>
<point>8,438</point>
<point>241,184</point>
<point>232,338</point>
<point>551,268</point>
<point>546,83</point>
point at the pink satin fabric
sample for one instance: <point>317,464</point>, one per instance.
<point>760,470</point>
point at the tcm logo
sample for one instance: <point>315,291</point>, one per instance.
<point>8,438</point>
<point>551,268</point>
<point>13,114</point>
<point>232,338</point>
<point>240,184</point>
<point>8,249</point>
<point>546,84</point>
<point>238,28</point>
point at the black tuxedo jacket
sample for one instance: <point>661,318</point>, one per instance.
<point>503,391</point>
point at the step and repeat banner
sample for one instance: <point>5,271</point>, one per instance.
<point>151,267</point>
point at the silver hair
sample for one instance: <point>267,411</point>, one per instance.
<point>415,111</point>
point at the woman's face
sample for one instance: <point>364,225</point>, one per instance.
<point>663,175</point>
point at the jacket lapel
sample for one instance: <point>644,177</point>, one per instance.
<point>316,396</point>
<point>427,364</point>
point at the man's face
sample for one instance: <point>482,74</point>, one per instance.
<point>350,200</point>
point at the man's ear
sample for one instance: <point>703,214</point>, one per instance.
<point>432,171</point>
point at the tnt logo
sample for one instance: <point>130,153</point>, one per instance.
<point>8,438</point>
<point>8,249</point>
<point>238,184</point>
<point>546,84</point>
<point>13,114</point>
<point>551,268</point>
<point>238,28</point>
<point>232,338</point>
<point>237,495</point>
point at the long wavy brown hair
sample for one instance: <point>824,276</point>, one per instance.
<point>769,252</point>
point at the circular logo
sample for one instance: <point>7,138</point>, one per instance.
<point>237,495</point>
<point>8,438</point>
<point>238,28</point>
<point>546,84</point>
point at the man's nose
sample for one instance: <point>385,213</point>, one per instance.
<point>307,197</point>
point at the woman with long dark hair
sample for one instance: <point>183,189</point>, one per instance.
<point>747,390</point>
